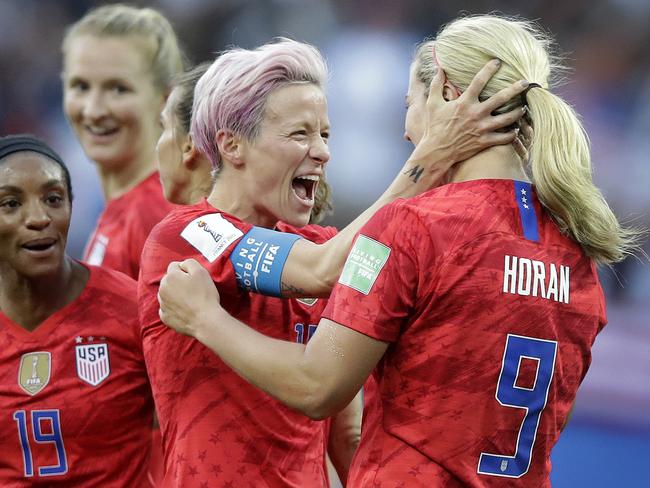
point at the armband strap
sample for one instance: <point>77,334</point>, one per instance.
<point>259,259</point>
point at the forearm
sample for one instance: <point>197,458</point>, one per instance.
<point>313,269</point>
<point>280,368</point>
<point>345,433</point>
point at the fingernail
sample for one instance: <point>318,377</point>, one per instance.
<point>524,83</point>
<point>524,109</point>
<point>497,62</point>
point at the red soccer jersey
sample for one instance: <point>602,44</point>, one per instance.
<point>491,314</point>
<point>217,429</point>
<point>74,394</point>
<point>124,225</point>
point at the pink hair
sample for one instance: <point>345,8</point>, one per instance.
<point>232,94</point>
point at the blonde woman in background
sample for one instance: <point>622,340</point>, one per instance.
<point>477,302</point>
<point>118,63</point>
<point>118,66</point>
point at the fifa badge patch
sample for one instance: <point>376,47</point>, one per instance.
<point>211,235</point>
<point>93,364</point>
<point>34,372</point>
<point>364,263</point>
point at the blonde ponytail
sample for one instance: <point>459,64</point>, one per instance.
<point>560,163</point>
<point>561,170</point>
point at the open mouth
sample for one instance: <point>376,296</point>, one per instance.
<point>101,131</point>
<point>39,245</point>
<point>304,187</point>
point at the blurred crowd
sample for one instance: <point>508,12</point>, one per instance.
<point>368,44</point>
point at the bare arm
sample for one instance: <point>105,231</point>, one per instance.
<point>345,433</point>
<point>454,131</point>
<point>318,379</point>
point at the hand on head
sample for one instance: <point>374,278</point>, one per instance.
<point>187,294</point>
<point>465,126</point>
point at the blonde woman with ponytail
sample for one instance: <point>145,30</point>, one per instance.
<point>475,304</point>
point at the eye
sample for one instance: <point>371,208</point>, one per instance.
<point>120,89</point>
<point>299,133</point>
<point>9,203</point>
<point>78,85</point>
<point>54,199</point>
<point>325,135</point>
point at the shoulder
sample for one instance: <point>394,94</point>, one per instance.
<point>109,281</point>
<point>312,232</point>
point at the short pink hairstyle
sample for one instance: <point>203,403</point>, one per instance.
<point>232,94</point>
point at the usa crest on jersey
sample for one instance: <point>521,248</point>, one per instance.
<point>93,364</point>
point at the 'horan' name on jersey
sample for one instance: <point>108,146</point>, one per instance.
<point>528,277</point>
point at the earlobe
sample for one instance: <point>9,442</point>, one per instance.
<point>189,154</point>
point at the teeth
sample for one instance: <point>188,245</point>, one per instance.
<point>100,131</point>
<point>309,177</point>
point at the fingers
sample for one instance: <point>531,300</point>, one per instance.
<point>520,149</point>
<point>190,265</point>
<point>502,96</point>
<point>504,120</point>
<point>436,88</point>
<point>481,79</point>
<point>499,138</point>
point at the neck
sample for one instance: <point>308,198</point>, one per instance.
<point>229,195</point>
<point>117,182</point>
<point>498,162</point>
<point>28,301</point>
<point>199,187</point>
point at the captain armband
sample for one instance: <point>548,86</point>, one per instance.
<point>259,259</point>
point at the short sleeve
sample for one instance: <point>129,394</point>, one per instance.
<point>377,290</point>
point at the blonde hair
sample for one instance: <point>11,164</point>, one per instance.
<point>120,20</point>
<point>560,163</point>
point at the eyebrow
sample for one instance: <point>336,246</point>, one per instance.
<point>46,185</point>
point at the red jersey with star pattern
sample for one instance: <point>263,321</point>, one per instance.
<point>74,393</point>
<point>124,225</point>
<point>218,430</point>
<point>490,313</point>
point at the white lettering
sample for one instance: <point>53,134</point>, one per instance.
<point>524,276</point>
<point>528,277</point>
<point>509,275</point>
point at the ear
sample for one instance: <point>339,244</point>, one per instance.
<point>230,146</point>
<point>189,153</point>
<point>449,92</point>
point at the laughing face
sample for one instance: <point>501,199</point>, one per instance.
<point>34,214</point>
<point>286,160</point>
<point>110,99</point>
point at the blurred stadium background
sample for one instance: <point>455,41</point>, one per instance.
<point>368,44</point>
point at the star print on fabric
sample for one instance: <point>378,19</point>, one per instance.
<point>205,485</point>
<point>78,339</point>
<point>202,455</point>
<point>523,199</point>
<point>193,471</point>
<point>215,438</point>
<point>523,192</point>
<point>91,338</point>
<point>216,469</point>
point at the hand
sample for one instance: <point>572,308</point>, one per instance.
<point>458,129</point>
<point>187,296</point>
<point>523,140</point>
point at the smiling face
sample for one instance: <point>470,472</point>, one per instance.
<point>110,98</point>
<point>35,214</point>
<point>286,160</point>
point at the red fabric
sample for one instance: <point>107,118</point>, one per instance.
<point>440,302</point>
<point>105,428</point>
<point>217,429</point>
<point>124,225</point>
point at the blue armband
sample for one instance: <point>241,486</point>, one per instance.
<point>259,259</point>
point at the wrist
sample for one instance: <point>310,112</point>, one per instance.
<point>206,322</point>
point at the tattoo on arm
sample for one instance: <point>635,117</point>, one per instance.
<point>289,291</point>
<point>414,173</point>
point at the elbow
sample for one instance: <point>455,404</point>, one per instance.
<point>317,406</point>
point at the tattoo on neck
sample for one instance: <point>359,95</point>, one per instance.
<point>414,173</point>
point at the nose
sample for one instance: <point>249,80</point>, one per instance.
<point>36,215</point>
<point>94,105</point>
<point>319,151</point>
